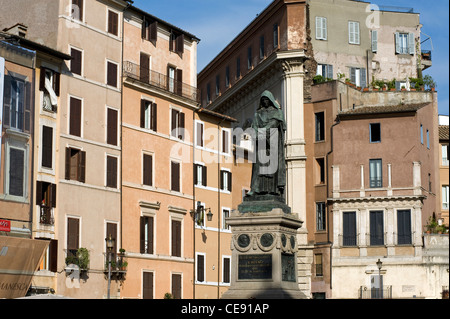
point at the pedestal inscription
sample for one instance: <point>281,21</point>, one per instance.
<point>255,266</point>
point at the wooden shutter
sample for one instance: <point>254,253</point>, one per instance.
<point>200,268</point>
<point>374,41</point>
<point>363,77</point>
<point>6,100</point>
<point>38,193</point>
<point>411,43</point>
<point>112,74</point>
<point>204,174</point>
<point>76,62</point>
<point>56,82</point>
<point>180,44</point>
<point>68,162</point>
<point>111,230</point>
<point>111,171</point>
<point>111,136</point>
<point>174,123</point>
<point>148,170</point>
<point>154,31</point>
<point>154,112</point>
<point>175,176</point>
<point>225,144</point>
<point>16,172</point>
<point>349,228</point>
<point>27,112</point>
<point>42,79</point>
<point>82,167</point>
<point>143,106</point>
<point>171,40</point>
<point>113,21</point>
<point>47,146</point>
<point>176,238</point>
<point>75,117</point>
<point>176,286</point>
<point>142,234</point>
<point>144,28</point>
<point>229,181</point>
<point>404,227</point>
<point>73,233</point>
<point>144,67</point>
<point>181,122</point>
<point>147,285</point>
<point>397,43</point>
<point>199,134</point>
<point>196,166</point>
<point>376,228</point>
<point>226,270</point>
<point>222,179</point>
<point>179,82</point>
<point>146,243</point>
<point>53,255</point>
<point>52,189</point>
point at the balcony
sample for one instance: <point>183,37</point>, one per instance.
<point>160,81</point>
<point>119,265</point>
<point>375,293</point>
<point>426,59</point>
<point>46,216</point>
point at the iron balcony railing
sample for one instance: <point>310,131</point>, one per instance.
<point>46,216</point>
<point>375,293</point>
<point>426,55</point>
<point>161,81</point>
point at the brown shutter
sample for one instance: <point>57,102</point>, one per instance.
<point>82,167</point>
<point>76,62</point>
<point>113,20</point>
<point>224,141</point>
<point>176,238</point>
<point>28,102</point>
<point>68,160</point>
<point>111,230</point>
<point>180,44</point>
<point>221,179</point>
<point>47,146</point>
<point>142,234</point>
<point>148,170</point>
<point>200,268</point>
<point>147,285</point>
<point>196,174</point>
<point>179,82</point>
<point>53,195</point>
<point>112,74</point>
<point>175,174</point>
<point>53,255</point>
<point>6,101</point>
<point>154,31</point>
<point>153,125</point>
<point>111,137</point>
<point>181,123</point>
<point>111,171</point>
<point>42,79</point>
<point>171,40</point>
<point>56,82</point>
<point>199,134</point>
<point>144,28</point>
<point>204,174</point>
<point>73,231</point>
<point>176,286</point>
<point>229,181</point>
<point>226,270</point>
<point>144,67</point>
<point>38,193</point>
<point>143,104</point>
<point>75,117</point>
<point>174,123</point>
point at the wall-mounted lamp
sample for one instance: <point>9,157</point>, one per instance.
<point>201,211</point>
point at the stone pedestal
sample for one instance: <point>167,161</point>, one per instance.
<point>264,254</point>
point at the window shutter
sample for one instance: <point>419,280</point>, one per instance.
<point>176,238</point>
<point>411,44</point>
<point>196,166</point>
<point>351,32</point>
<point>53,255</point>
<point>111,171</point>
<point>229,181</point>
<point>73,228</point>
<point>221,179</point>
<point>16,172</point>
<point>324,29</point>
<point>204,174</point>
<point>147,285</point>
<point>174,123</point>
<point>148,170</point>
<point>111,135</point>
<point>397,43</point>
<point>42,79</point>
<point>175,176</point>
<point>38,193</point>
<point>154,117</point>
<point>404,227</point>
<point>318,28</point>
<point>199,134</point>
<point>329,71</point>
<point>200,268</point>
<point>142,234</point>
<point>27,111</point>
<point>82,167</point>
<point>47,146</point>
<point>143,106</point>
<point>154,31</point>
<point>144,68</point>
<point>56,81</point>
<point>181,123</point>
<point>374,41</point>
<point>68,158</point>
<point>112,74</point>
<point>176,286</point>
<point>363,77</point>
<point>75,117</point>
<point>144,28</point>
<point>226,270</point>
<point>113,20</point>
<point>349,228</point>
<point>111,230</point>
<point>6,100</point>
<point>353,75</point>
<point>357,32</point>
<point>53,195</point>
<point>76,62</point>
<point>179,81</point>
<point>180,44</point>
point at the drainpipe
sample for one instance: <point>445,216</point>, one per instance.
<point>337,121</point>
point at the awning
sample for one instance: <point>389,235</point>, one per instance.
<point>19,260</point>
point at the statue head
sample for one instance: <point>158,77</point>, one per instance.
<point>267,99</point>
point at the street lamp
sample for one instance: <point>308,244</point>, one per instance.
<point>379,264</point>
<point>200,209</point>
<point>109,247</point>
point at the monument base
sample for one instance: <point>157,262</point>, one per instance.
<point>264,255</point>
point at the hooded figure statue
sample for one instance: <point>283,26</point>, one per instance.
<point>269,168</point>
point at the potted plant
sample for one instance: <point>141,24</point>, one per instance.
<point>431,225</point>
<point>168,295</point>
<point>429,82</point>
<point>81,259</point>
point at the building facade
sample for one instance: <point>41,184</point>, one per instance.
<point>443,169</point>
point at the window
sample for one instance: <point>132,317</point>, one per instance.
<point>113,22</point>
<point>171,78</point>
<point>111,171</point>
<point>404,43</point>
<point>320,126</point>
<point>147,170</point>
<point>444,151</point>
<point>349,229</point>
<point>111,232</point>
<point>249,58</point>
<point>50,258</point>
<point>176,238</point>
<point>429,183</point>
<point>45,194</point>
<point>144,68</point>
<point>225,215</point>
<point>375,173</point>
<point>176,286</point>
<point>177,124</point>
<point>374,40</point>
<point>275,35</point>
<point>111,74</point>
<point>225,180</point>
<point>175,176</point>
<point>77,9</point>
<point>17,103</point>
<point>226,270</point>
<point>261,47</point>
<point>208,93</point>
<point>421,133</point>
<point>73,236</point>
<point>49,83</point>
<point>225,141</point>
<point>428,139</point>
<point>217,85</point>
<point>358,76</point>
<point>320,171</point>
<point>238,68</point>
<point>200,175</point>
<point>146,234</point>
<point>375,132</point>
<point>404,227</point>
<point>75,117</point>
<point>111,126</point>
<point>319,264</point>
<point>75,165</point>
<point>47,147</point>
<point>17,172</point>
<point>149,29</point>
<point>325,70</point>
<point>321,28</point>
<point>200,268</point>
<point>445,197</point>
<point>353,32</point>
<point>147,285</point>
<point>227,76</point>
<point>176,43</point>
<point>149,115</point>
<point>320,216</point>
<point>376,228</point>
<point>76,62</point>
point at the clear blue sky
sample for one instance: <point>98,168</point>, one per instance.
<point>216,23</point>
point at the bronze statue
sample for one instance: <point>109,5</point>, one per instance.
<point>269,168</point>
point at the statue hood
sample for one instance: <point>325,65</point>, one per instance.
<point>269,95</point>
